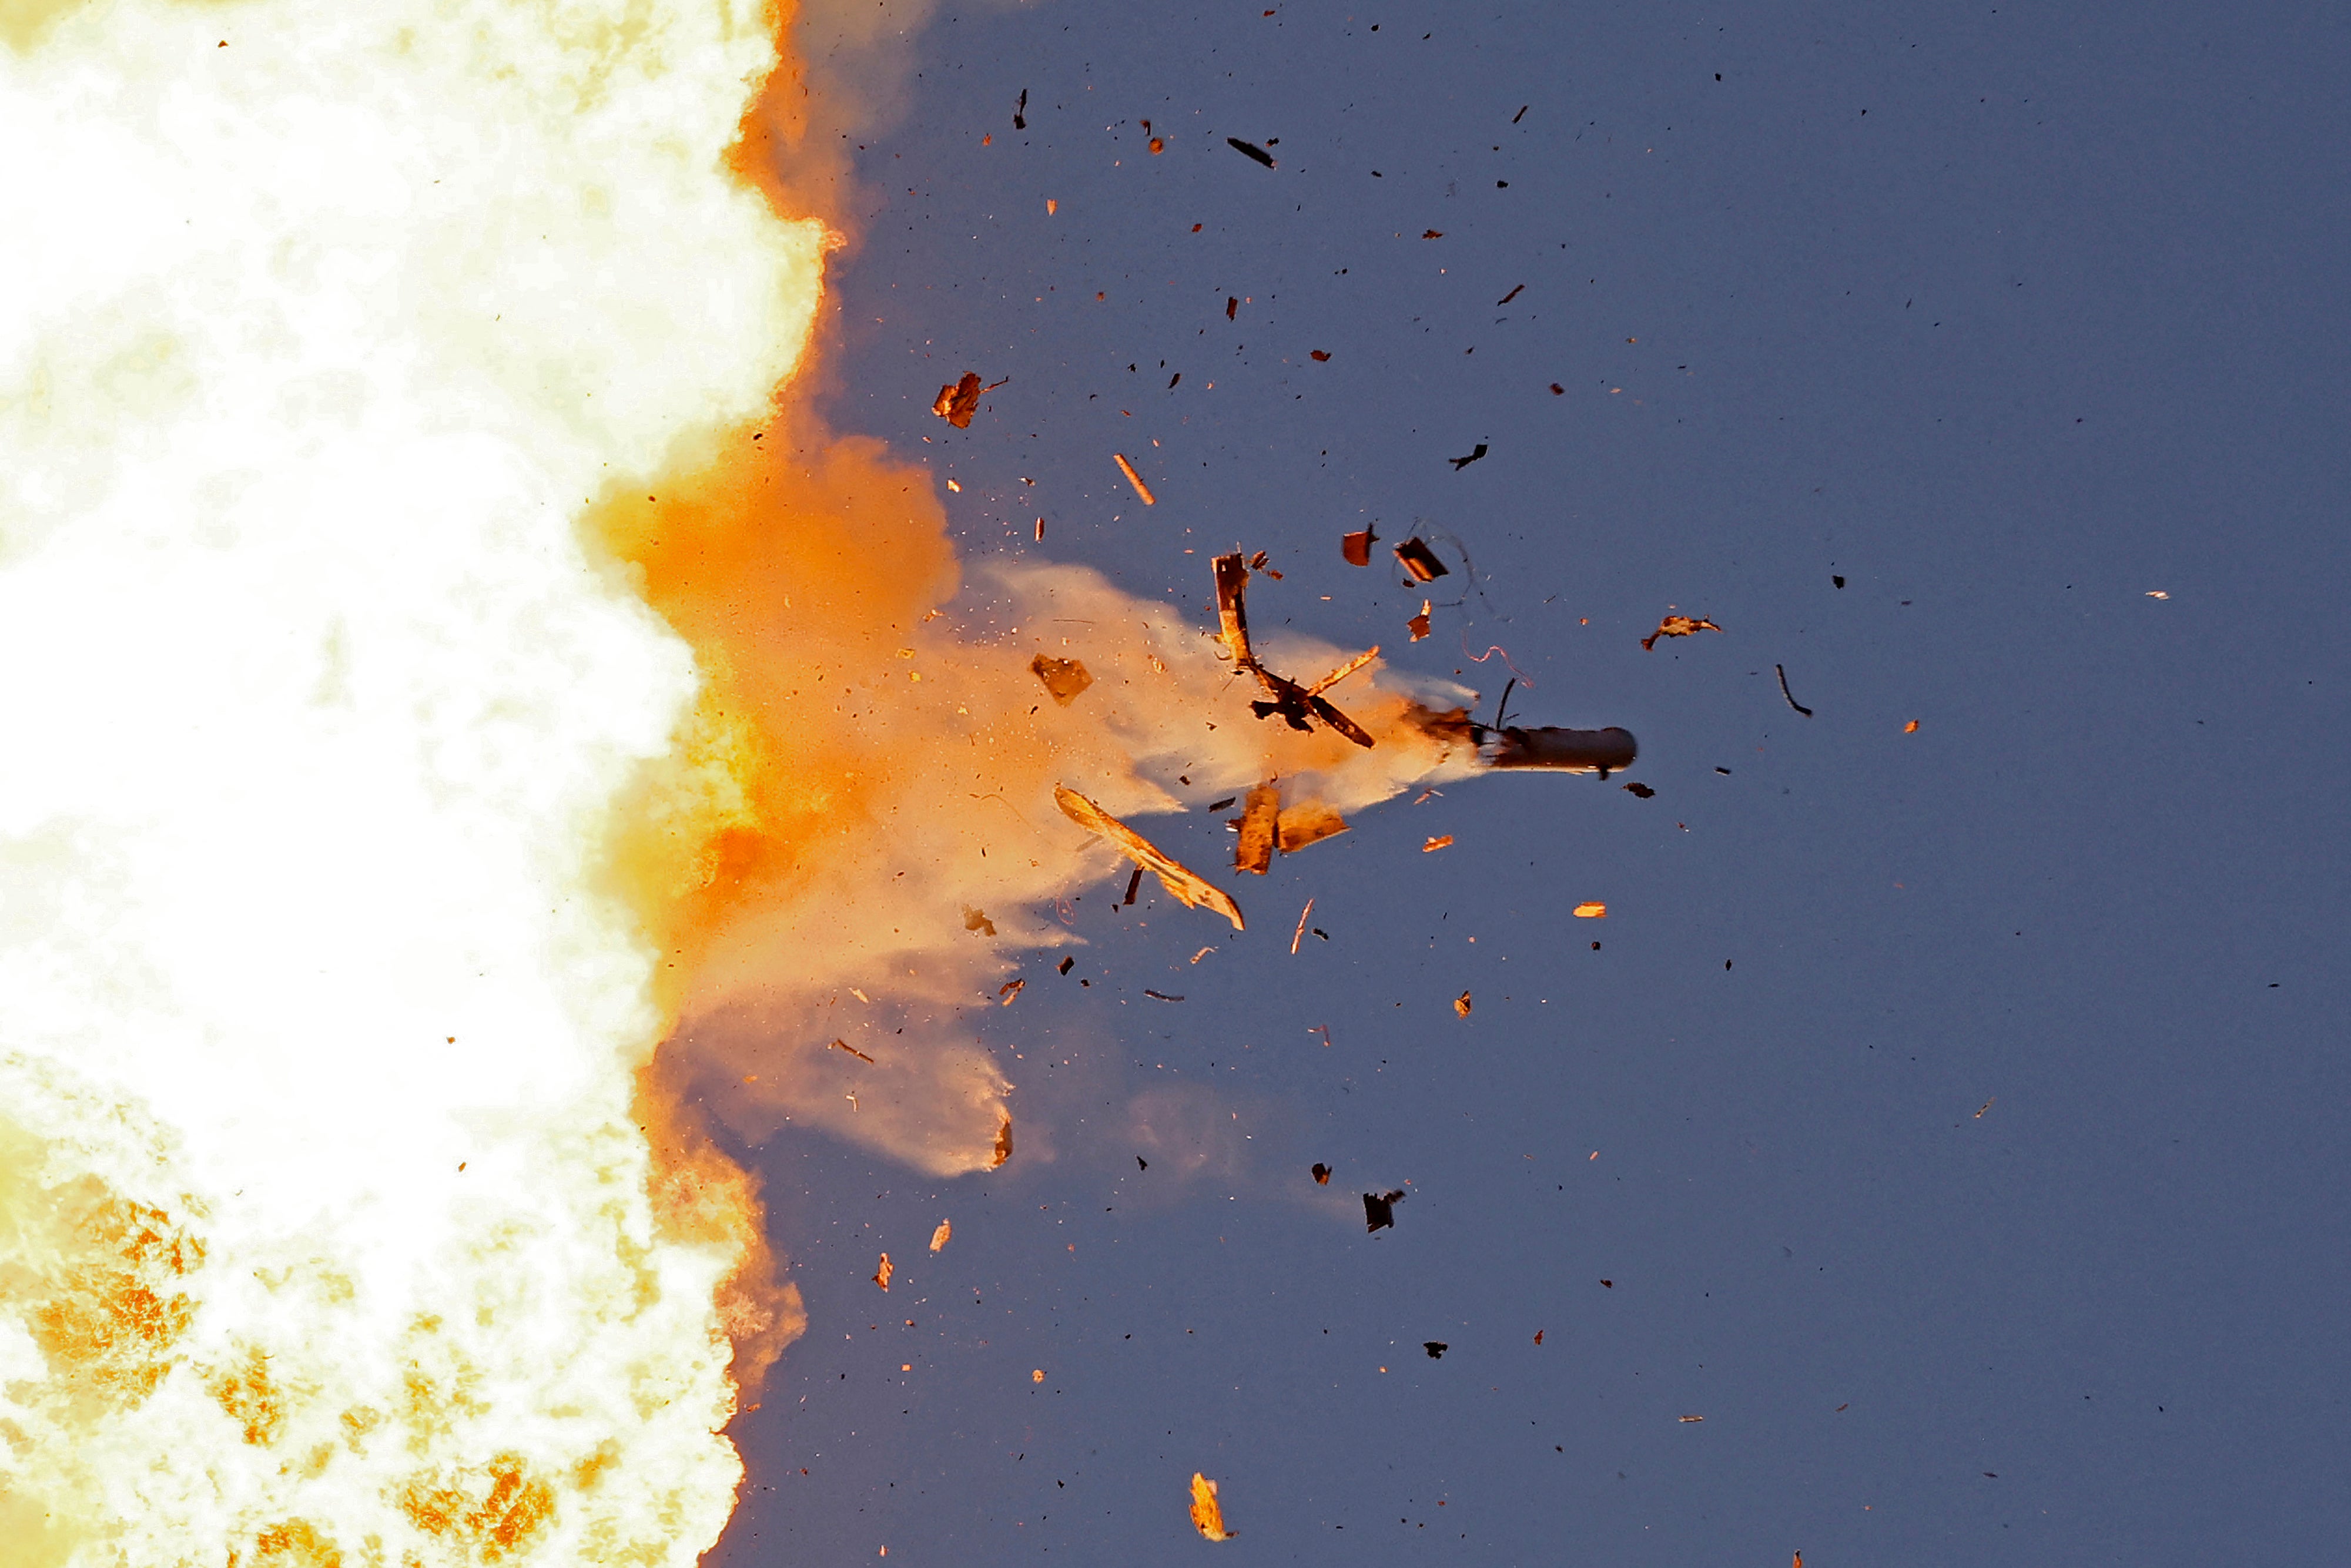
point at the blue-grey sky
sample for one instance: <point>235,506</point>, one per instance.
<point>2010,318</point>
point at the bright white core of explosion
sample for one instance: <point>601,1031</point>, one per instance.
<point>324,1232</point>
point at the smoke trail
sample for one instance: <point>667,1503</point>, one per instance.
<point>866,770</point>
<point>329,1229</point>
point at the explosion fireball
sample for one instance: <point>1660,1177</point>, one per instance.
<point>463,702</point>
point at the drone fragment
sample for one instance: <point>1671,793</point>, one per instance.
<point>1065,678</point>
<point>1007,991</point>
<point>844,1045</point>
<point>1420,560</point>
<point>1207,1515</point>
<point>1357,547</point>
<point>1254,852</point>
<point>939,1237</point>
<point>1250,150</point>
<point>1379,1209</point>
<point>1135,479</point>
<point>1305,824</point>
<point>1677,626</point>
<point>882,1275</point>
<point>1321,1173</point>
<point>958,401</point>
<point>1436,1348</point>
<point>1187,887</point>
<point>1461,1005</point>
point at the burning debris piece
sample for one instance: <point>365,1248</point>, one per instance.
<point>1461,1005</point>
<point>1306,824</point>
<point>1299,707</point>
<point>978,920</point>
<point>1357,548</point>
<point>1321,1173</point>
<point>1007,991</point>
<point>1134,479</point>
<point>1421,562</point>
<point>1254,853</point>
<point>958,401</point>
<point>1436,843</point>
<point>844,1045</point>
<point>1595,911</point>
<point>1065,678</point>
<point>940,1237</point>
<point>1678,626</point>
<point>882,1275</point>
<point>1207,1515</point>
<point>1379,1209</point>
<point>1418,624</point>
<point>1003,1144</point>
<point>1183,885</point>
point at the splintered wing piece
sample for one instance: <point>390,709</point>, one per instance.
<point>1344,670</point>
<point>1181,885</point>
<point>1254,853</point>
<point>1207,1515</point>
<point>1065,678</point>
<point>1305,824</point>
<point>1321,709</point>
<point>1232,608</point>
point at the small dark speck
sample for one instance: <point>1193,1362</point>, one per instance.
<point>1724,771</point>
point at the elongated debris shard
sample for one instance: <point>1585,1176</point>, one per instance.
<point>1187,887</point>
